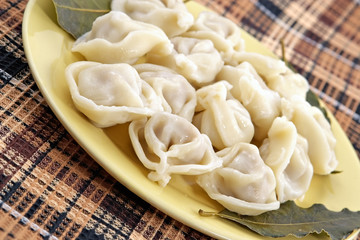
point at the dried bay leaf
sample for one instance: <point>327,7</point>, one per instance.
<point>77,16</point>
<point>291,219</point>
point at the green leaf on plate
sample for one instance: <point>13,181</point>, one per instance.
<point>290,219</point>
<point>76,16</point>
<point>336,172</point>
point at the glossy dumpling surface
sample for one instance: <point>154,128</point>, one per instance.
<point>276,74</point>
<point>244,184</point>
<point>176,93</point>
<point>312,125</point>
<point>289,84</point>
<point>262,103</point>
<point>110,94</point>
<point>264,65</point>
<point>116,38</point>
<point>196,59</point>
<point>225,34</point>
<point>285,151</point>
<point>221,117</point>
<point>168,144</point>
<point>169,15</point>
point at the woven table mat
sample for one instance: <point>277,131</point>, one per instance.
<point>50,188</point>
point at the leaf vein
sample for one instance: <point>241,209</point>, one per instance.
<point>82,9</point>
<point>289,224</point>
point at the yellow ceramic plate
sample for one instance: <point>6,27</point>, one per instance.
<point>47,49</point>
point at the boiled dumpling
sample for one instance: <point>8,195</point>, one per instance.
<point>169,15</point>
<point>289,84</point>
<point>262,103</point>
<point>264,65</point>
<point>168,144</point>
<point>244,184</point>
<point>116,38</point>
<point>223,118</point>
<point>224,33</point>
<point>276,74</point>
<point>197,60</point>
<point>285,152</point>
<point>110,94</point>
<point>312,125</point>
<point>176,93</point>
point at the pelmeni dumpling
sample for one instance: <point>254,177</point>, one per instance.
<point>312,125</point>
<point>176,93</point>
<point>169,15</point>
<point>116,38</point>
<point>110,94</point>
<point>196,59</point>
<point>244,184</point>
<point>289,84</point>
<point>276,74</point>
<point>168,144</point>
<point>262,103</point>
<point>223,118</point>
<point>264,65</point>
<point>224,33</point>
<point>285,152</point>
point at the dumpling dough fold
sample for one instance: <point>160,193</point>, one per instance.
<point>265,66</point>
<point>262,103</point>
<point>169,15</point>
<point>289,84</point>
<point>312,125</point>
<point>225,34</point>
<point>276,74</point>
<point>110,94</point>
<point>285,152</point>
<point>244,184</point>
<point>223,118</point>
<point>196,59</point>
<point>176,93</point>
<point>116,38</point>
<point>168,144</point>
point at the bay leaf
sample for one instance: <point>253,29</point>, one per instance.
<point>291,219</point>
<point>77,16</point>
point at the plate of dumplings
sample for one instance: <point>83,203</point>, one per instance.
<point>190,113</point>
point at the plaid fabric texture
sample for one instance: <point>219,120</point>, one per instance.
<point>51,189</point>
